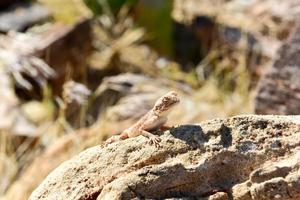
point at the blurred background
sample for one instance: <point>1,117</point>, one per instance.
<point>75,72</point>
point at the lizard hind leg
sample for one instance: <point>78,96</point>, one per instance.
<point>154,139</point>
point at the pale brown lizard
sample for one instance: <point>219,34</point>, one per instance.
<point>152,120</point>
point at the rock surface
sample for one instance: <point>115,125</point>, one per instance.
<point>243,157</point>
<point>278,92</point>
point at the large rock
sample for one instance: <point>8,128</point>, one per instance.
<point>279,90</point>
<point>241,158</point>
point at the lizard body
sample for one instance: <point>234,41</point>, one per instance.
<point>152,120</point>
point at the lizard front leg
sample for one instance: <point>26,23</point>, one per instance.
<point>154,139</point>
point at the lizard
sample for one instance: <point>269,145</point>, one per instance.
<point>152,120</point>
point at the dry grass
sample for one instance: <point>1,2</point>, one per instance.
<point>67,11</point>
<point>8,161</point>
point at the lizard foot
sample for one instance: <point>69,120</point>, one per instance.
<point>155,140</point>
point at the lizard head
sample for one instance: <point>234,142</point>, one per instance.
<point>165,103</point>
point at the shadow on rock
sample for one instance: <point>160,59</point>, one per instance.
<point>193,135</point>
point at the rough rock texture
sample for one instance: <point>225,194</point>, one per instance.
<point>279,90</point>
<point>241,158</point>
